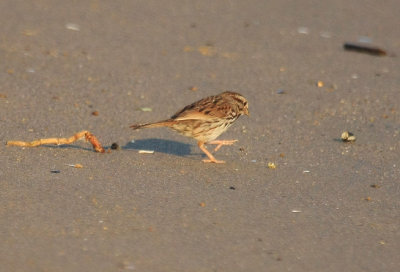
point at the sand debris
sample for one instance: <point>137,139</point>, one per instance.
<point>360,48</point>
<point>348,137</point>
<point>62,141</point>
<point>145,151</point>
<point>77,165</point>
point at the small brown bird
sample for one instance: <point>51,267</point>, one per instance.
<point>206,119</point>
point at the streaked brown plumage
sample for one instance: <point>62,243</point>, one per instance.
<point>206,119</point>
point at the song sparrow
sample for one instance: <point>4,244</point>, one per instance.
<point>206,119</point>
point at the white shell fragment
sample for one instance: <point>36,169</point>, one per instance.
<point>72,26</point>
<point>146,151</point>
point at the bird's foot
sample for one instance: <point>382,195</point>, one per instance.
<point>220,143</point>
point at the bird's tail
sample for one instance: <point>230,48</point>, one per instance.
<point>165,123</point>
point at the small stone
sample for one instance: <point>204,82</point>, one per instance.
<point>351,138</point>
<point>72,26</point>
<point>375,186</point>
<point>115,146</point>
<point>303,30</point>
<point>348,137</point>
<point>280,91</point>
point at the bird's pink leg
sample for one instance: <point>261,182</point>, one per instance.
<point>209,155</point>
<point>220,143</point>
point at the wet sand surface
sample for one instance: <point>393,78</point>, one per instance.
<point>326,206</point>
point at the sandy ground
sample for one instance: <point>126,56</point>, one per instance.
<point>327,206</point>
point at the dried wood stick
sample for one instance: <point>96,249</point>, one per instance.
<point>93,140</point>
<point>60,141</point>
<point>375,51</point>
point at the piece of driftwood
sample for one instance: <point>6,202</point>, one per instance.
<point>61,141</point>
<point>361,48</point>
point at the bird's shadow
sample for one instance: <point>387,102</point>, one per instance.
<point>160,145</point>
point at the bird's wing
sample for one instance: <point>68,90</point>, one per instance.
<point>204,109</point>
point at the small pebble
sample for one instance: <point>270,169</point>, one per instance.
<point>72,26</point>
<point>95,113</point>
<point>232,188</point>
<point>303,30</point>
<point>348,137</point>
<point>375,186</point>
<point>115,146</point>
<point>280,91</point>
<point>55,171</point>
